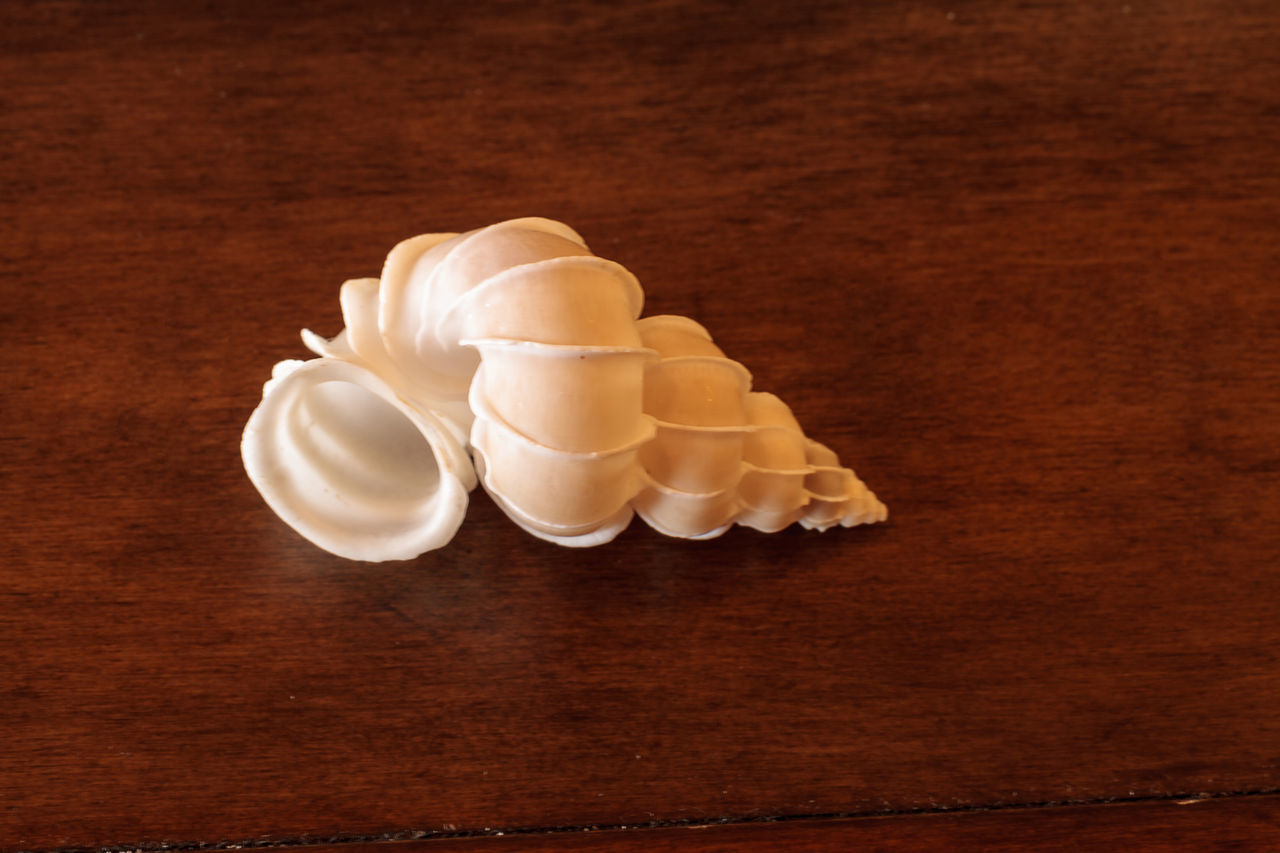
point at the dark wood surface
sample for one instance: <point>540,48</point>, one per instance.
<point>1194,826</point>
<point>1016,262</point>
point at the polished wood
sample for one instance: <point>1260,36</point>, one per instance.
<point>1016,262</point>
<point>1194,826</point>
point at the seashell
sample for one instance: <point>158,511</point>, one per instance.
<point>724,454</point>
<point>567,398</point>
<point>518,344</point>
<point>352,466</point>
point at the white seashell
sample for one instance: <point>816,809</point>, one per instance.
<point>687,515</point>
<point>352,467</point>
<point>577,399</point>
<point>518,341</point>
<point>555,491</point>
<point>715,438</point>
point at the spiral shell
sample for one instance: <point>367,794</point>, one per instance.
<point>725,454</point>
<point>516,342</point>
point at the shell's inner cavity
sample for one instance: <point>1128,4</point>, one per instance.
<point>364,442</point>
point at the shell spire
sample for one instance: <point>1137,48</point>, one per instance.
<point>724,454</point>
<point>518,344</point>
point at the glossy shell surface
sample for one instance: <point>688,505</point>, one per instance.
<point>517,345</point>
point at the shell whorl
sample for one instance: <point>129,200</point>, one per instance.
<point>724,454</point>
<point>549,330</point>
<point>519,342</point>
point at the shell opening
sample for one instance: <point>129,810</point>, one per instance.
<point>367,443</point>
<point>353,468</point>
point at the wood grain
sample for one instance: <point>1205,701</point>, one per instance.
<point>1199,826</point>
<point>1015,262</point>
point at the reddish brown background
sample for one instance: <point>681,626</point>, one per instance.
<point>1016,262</point>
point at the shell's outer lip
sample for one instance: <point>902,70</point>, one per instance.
<point>271,458</point>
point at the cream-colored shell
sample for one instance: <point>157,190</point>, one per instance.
<point>517,343</point>
<point>725,454</point>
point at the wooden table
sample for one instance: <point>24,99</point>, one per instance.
<point>1016,262</point>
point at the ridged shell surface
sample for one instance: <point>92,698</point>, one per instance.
<point>579,412</point>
